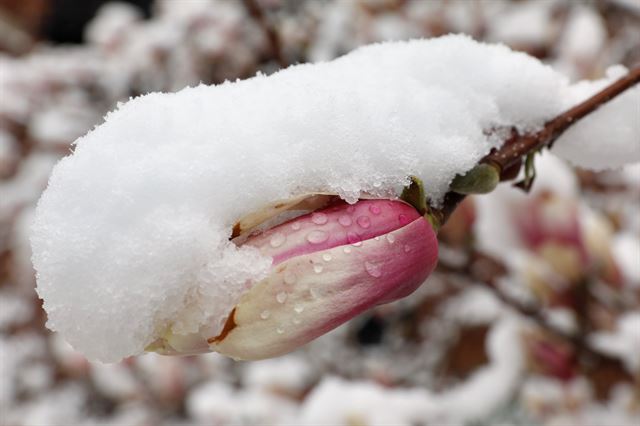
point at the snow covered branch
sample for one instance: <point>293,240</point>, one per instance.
<point>509,158</point>
<point>519,146</point>
<point>486,270</point>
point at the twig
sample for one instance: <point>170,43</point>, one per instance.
<point>485,270</point>
<point>508,159</point>
<point>517,147</point>
<point>269,30</point>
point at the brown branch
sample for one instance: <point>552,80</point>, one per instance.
<point>485,270</point>
<point>275,43</point>
<point>507,159</point>
<point>518,146</point>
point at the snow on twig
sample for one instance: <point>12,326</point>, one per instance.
<point>514,150</point>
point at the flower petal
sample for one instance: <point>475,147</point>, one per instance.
<point>333,226</point>
<point>309,294</point>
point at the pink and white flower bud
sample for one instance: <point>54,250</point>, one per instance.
<point>550,226</point>
<point>573,241</point>
<point>548,356</point>
<point>550,219</point>
<point>328,266</point>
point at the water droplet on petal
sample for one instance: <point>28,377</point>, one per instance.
<point>373,269</point>
<point>277,239</point>
<point>375,209</point>
<point>281,297</point>
<point>317,268</point>
<point>364,221</point>
<point>289,277</point>
<point>297,320</point>
<point>295,226</point>
<point>279,330</point>
<point>407,249</point>
<point>391,238</point>
<point>326,257</point>
<point>403,219</point>
<point>377,238</point>
<point>319,218</point>
<point>345,220</point>
<point>298,308</point>
<point>347,250</point>
<point>317,237</point>
<point>265,314</point>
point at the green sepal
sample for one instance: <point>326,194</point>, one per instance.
<point>482,179</point>
<point>529,173</point>
<point>433,220</point>
<point>414,194</point>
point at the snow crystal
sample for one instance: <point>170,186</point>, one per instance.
<point>131,237</point>
<point>610,136</point>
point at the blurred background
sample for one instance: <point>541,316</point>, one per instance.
<point>533,317</point>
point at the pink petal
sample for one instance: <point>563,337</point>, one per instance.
<point>333,226</point>
<point>311,293</point>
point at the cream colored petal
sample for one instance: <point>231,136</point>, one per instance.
<point>306,202</point>
<point>308,295</point>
